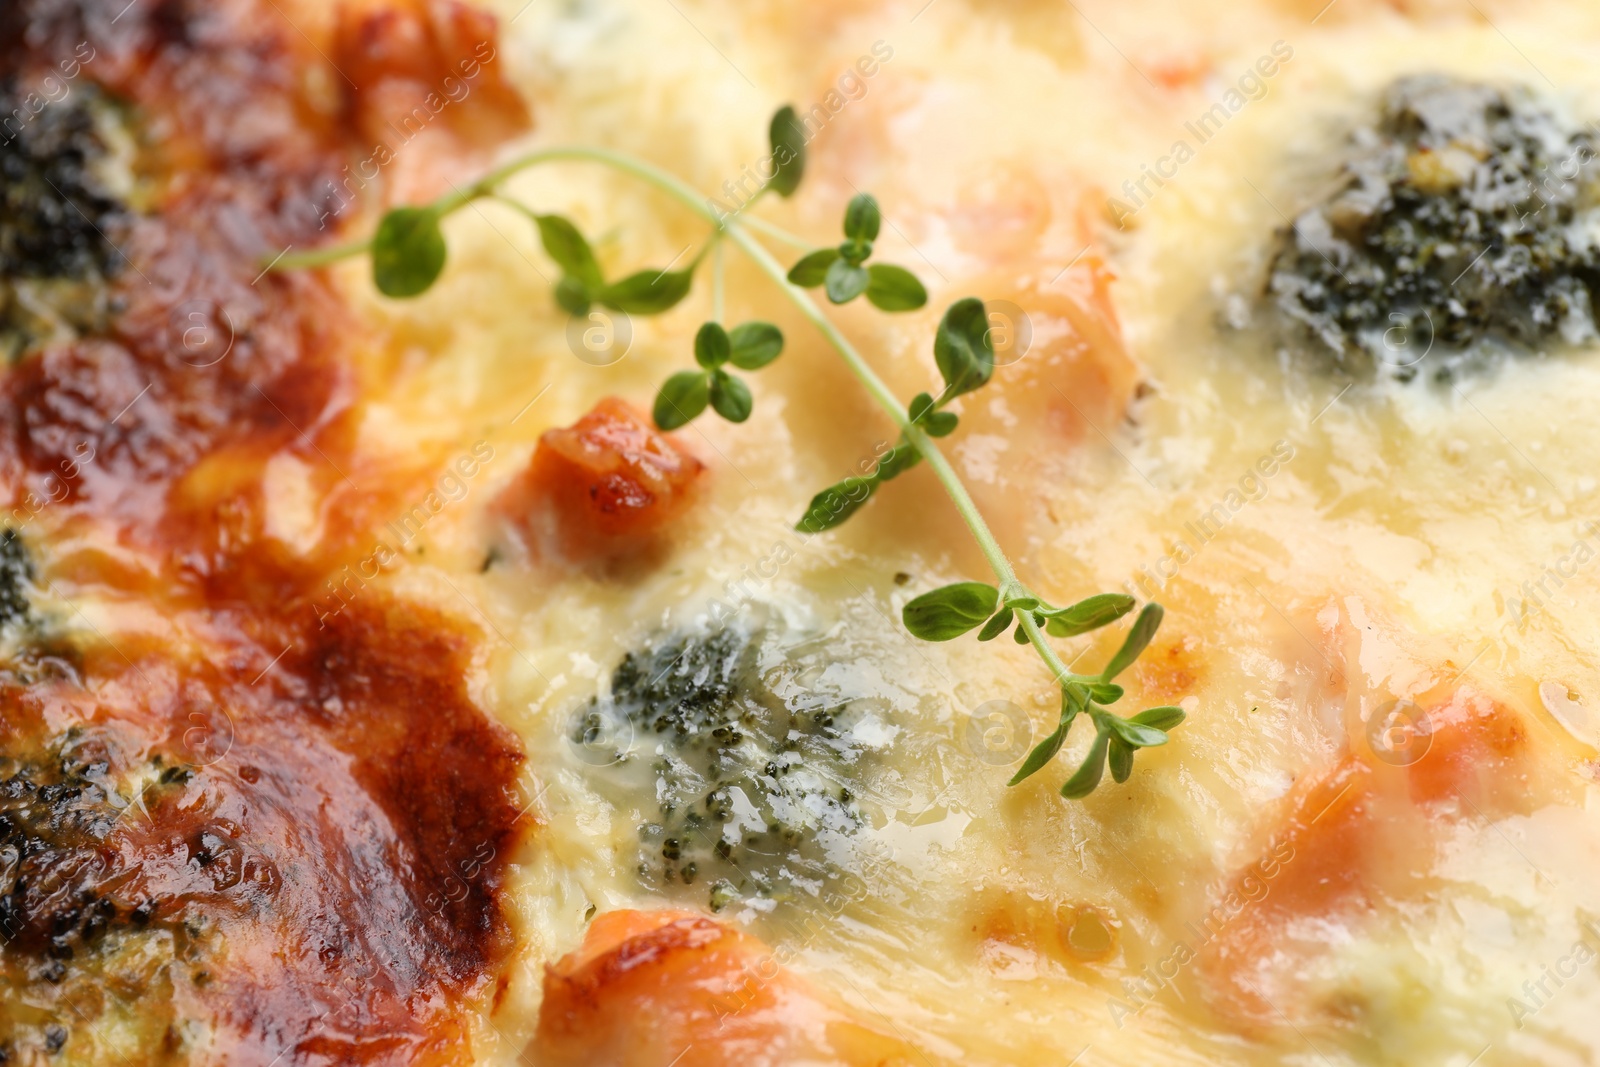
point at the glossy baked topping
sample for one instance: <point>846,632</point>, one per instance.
<point>246,815</point>
<point>378,685</point>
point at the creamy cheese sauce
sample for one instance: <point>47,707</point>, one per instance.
<point>1324,547</point>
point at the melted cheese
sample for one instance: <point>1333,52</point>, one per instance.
<point>1323,548</point>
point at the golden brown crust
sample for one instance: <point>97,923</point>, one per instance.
<point>319,861</point>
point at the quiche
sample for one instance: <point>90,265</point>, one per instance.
<point>393,670</point>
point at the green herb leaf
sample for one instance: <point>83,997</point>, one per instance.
<point>712,346</point>
<point>408,252</point>
<point>996,625</point>
<point>962,347</point>
<point>892,288</point>
<point>812,270</point>
<point>895,462</point>
<point>845,282</point>
<point>1089,773</point>
<point>572,296</point>
<point>564,244</point>
<point>754,345</point>
<point>730,396</point>
<point>1163,718</point>
<point>1046,750</point>
<point>941,423</point>
<point>855,253</point>
<point>1144,628</point>
<point>836,503</point>
<point>1136,734</point>
<point>1020,635</point>
<point>1089,614</point>
<point>1121,760</point>
<point>862,218</point>
<point>681,398</point>
<point>1105,692</point>
<point>647,292</point>
<point>950,611</point>
<point>920,405</point>
<point>788,140</point>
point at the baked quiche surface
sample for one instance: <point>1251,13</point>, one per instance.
<point>379,684</point>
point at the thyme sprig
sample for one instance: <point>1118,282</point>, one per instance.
<point>409,252</point>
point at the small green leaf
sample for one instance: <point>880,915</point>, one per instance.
<point>836,503</point>
<point>712,346</point>
<point>962,347</point>
<point>1093,767</point>
<point>681,398</point>
<point>1019,635</point>
<point>647,292</point>
<point>862,218</point>
<point>856,253</point>
<point>408,252</point>
<point>996,625</point>
<point>1105,692</point>
<point>564,244</point>
<point>1121,760</point>
<point>894,288</point>
<point>934,423</point>
<point>572,296</point>
<point>950,611</point>
<point>1045,750</point>
<point>845,282</point>
<point>1089,614</point>
<point>1144,628</point>
<point>812,270</point>
<point>788,140</point>
<point>1163,718</point>
<point>895,462</point>
<point>1136,734</point>
<point>754,345</point>
<point>1024,603</point>
<point>730,396</point>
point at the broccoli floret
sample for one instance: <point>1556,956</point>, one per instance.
<point>16,572</point>
<point>71,907</point>
<point>58,222</point>
<point>743,775</point>
<point>1461,227</point>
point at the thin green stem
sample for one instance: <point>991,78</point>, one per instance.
<point>734,228</point>
<point>487,185</point>
<point>1063,673</point>
<point>717,259</point>
<point>667,182</point>
<point>739,212</point>
<point>954,488</point>
<point>887,400</point>
<point>516,205</point>
<point>320,257</point>
<point>778,232</point>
